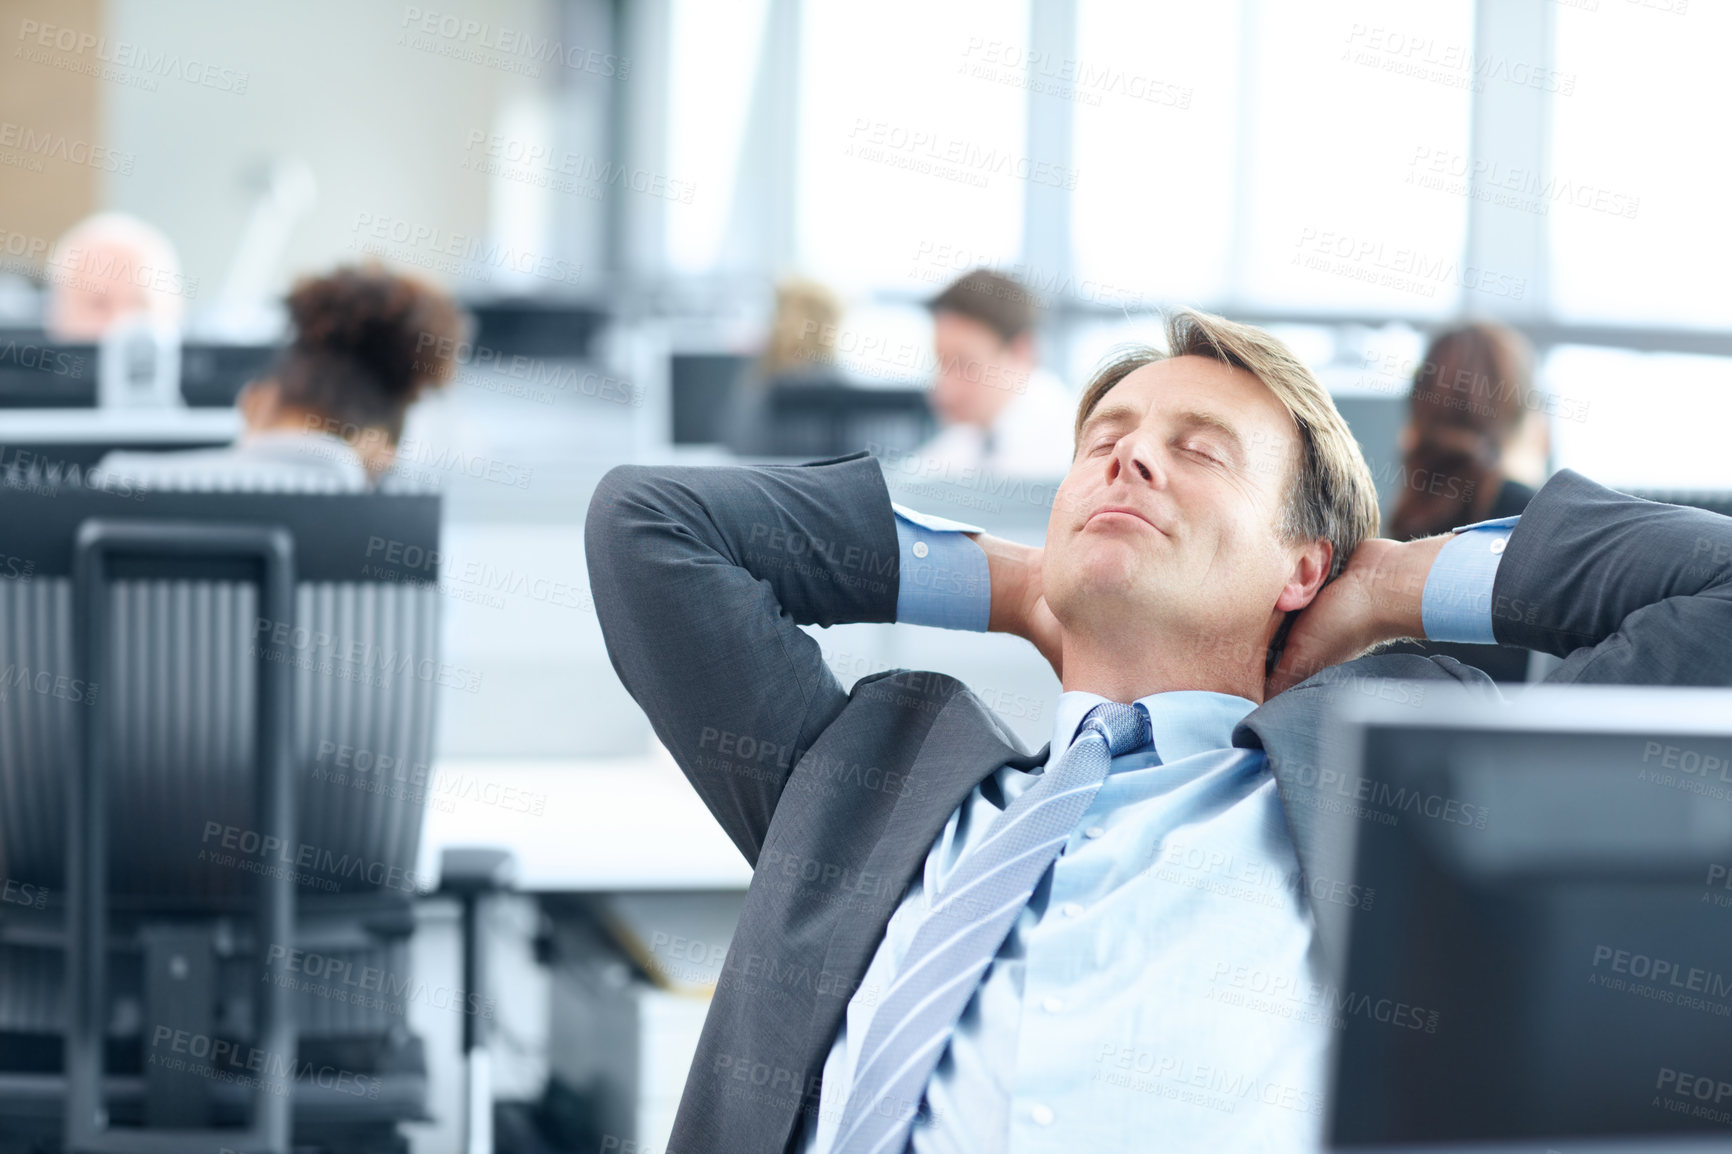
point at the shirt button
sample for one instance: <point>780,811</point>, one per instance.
<point>1497,545</point>
<point>920,549</point>
<point>1052,1005</point>
<point>1070,910</point>
<point>1042,1115</point>
<point>1093,831</point>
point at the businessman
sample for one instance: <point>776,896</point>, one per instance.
<point>1121,941</point>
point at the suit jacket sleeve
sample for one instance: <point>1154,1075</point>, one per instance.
<point>701,577</point>
<point>1628,591</point>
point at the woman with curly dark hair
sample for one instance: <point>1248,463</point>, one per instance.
<point>367,344</point>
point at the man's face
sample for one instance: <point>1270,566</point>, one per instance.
<point>94,288</point>
<point>978,373</point>
<point>1170,515</point>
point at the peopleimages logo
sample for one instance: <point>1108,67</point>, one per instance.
<point>152,63</point>
<point>225,1060</point>
<point>326,865</point>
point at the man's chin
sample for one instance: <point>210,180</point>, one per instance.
<point>1120,585</point>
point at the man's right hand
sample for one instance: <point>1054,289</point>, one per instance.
<point>1018,598</point>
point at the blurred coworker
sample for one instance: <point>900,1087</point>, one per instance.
<point>367,343</point>
<point>1473,400</point>
<point>108,268</point>
<point>803,333</point>
<point>1002,413</point>
<point>801,349</point>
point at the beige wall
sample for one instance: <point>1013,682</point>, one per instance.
<point>49,119</point>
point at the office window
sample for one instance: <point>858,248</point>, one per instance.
<point>1349,103</point>
<point>713,58</point>
<point>1640,165</point>
<point>912,146</point>
<point>1156,94</point>
<point>1640,420</point>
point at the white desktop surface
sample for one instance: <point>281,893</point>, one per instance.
<point>131,424</point>
<point>603,824</point>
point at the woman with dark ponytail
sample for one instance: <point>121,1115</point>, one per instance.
<point>367,344</point>
<point>1472,399</point>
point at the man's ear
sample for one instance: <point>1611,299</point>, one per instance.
<point>1021,348</point>
<point>1310,570</point>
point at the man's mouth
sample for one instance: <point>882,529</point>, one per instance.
<point>1117,512</point>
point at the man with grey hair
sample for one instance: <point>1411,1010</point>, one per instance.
<point>953,943</point>
<point>108,268</point>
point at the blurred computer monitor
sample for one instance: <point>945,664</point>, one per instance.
<point>817,417</point>
<point>1549,954</point>
<point>37,373</point>
<point>706,389</point>
<point>212,375</point>
<point>1375,420</point>
<point>531,327</point>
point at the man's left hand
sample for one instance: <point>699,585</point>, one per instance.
<point>1377,598</point>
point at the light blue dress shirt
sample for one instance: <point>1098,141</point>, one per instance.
<point>1159,988</point>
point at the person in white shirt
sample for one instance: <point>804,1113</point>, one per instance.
<point>367,343</point>
<point>1002,413</point>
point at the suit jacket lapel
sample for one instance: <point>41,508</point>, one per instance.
<point>965,745</point>
<point>1311,772</point>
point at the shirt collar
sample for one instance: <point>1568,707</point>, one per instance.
<point>1185,722</point>
<point>312,446</point>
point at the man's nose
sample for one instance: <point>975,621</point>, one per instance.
<point>1135,460</point>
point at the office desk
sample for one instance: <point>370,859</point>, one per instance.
<point>601,825</point>
<point>145,426</point>
<point>56,440</point>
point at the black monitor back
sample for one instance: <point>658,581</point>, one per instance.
<point>524,326</point>
<point>705,390</point>
<point>828,417</point>
<point>363,646</point>
<point>212,375</point>
<point>1554,905</point>
<point>37,373</point>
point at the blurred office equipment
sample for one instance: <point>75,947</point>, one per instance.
<point>817,419</point>
<point>212,375</point>
<point>1547,957</point>
<point>705,388</point>
<point>809,415</point>
<point>38,373</point>
<point>533,327</point>
<point>48,446</point>
<point>1375,420</point>
<point>219,711</point>
<point>632,975</point>
<point>282,192</point>
<point>138,366</point>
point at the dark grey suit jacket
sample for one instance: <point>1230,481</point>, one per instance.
<point>701,576</point>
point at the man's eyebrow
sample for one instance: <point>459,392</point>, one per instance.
<point>1196,418</point>
<point>1111,413</point>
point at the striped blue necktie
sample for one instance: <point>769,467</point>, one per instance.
<point>957,940</point>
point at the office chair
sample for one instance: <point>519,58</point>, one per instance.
<point>216,717</point>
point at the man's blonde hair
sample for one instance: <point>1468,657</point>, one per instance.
<point>1330,495</point>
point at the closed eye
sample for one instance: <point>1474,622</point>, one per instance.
<point>1203,452</point>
